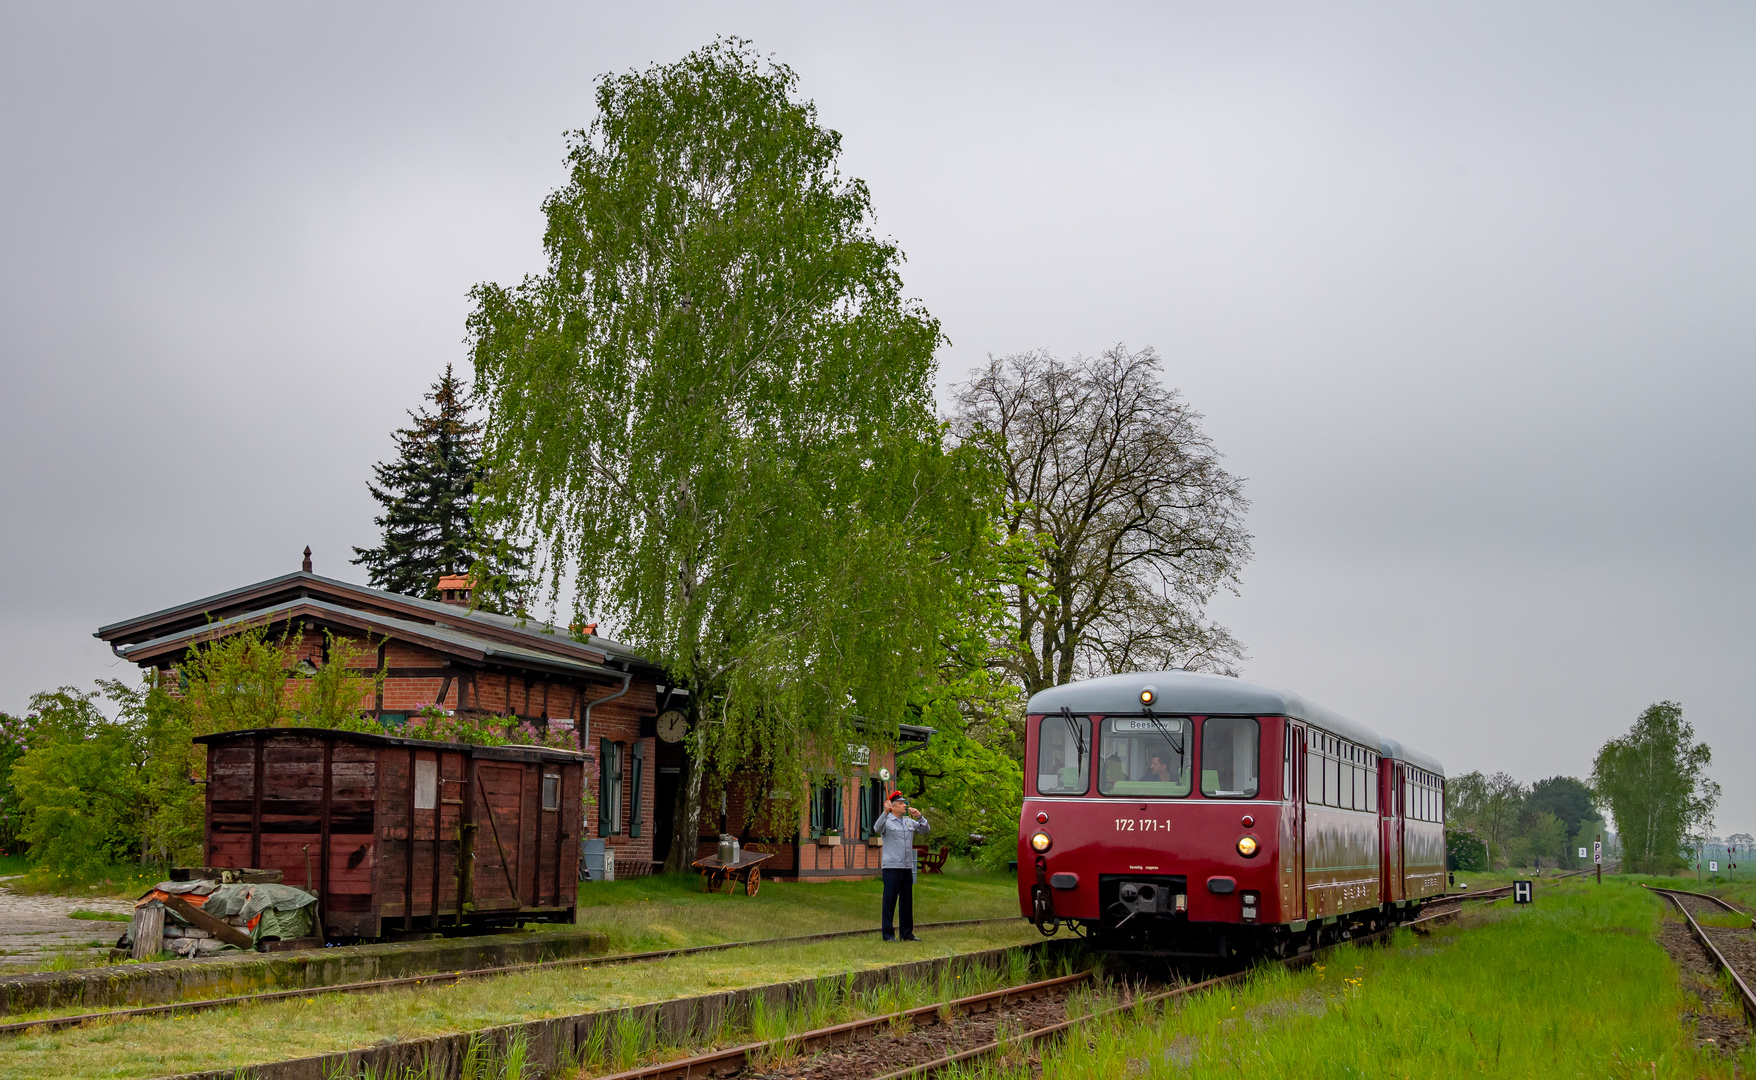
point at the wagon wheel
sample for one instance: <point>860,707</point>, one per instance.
<point>754,882</point>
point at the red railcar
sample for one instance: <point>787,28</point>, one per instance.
<point>400,834</point>
<point>1180,813</point>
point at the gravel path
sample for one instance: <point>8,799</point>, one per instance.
<point>34,929</point>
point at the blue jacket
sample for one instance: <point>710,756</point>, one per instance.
<point>899,839</point>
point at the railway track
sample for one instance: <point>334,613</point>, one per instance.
<point>55,1023</point>
<point>1733,948</point>
<point>931,1038</point>
<point>921,1041</point>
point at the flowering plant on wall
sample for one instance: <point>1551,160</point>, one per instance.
<point>432,722</point>
<point>558,738</point>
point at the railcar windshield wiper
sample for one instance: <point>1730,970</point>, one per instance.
<point>1078,739</point>
<point>1176,744</point>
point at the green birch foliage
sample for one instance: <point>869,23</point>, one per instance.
<point>1654,780</point>
<point>713,415</point>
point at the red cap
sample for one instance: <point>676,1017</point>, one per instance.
<point>895,795</point>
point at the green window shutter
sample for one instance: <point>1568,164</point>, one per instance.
<point>603,786</point>
<point>634,787</point>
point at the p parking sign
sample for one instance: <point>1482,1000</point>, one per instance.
<point>1521,892</point>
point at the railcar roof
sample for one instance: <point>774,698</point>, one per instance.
<point>1200,694</point>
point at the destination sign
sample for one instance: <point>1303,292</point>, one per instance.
<point>1123,724</point>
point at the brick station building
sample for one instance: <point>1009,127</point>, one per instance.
<point>478,664</point>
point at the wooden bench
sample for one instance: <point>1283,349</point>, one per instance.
<point>932,862</point>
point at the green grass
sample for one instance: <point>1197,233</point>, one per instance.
<point>1572,986</point>
<point>99,916</point>
<point>651,909</point>
<point>670,911</point>
<point>124,881</point>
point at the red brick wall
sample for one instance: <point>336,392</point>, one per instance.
<point>619,721</point>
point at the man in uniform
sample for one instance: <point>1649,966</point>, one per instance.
<point>898,825</point>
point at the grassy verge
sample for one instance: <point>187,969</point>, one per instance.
<point>1574,985</point>
<point>671,912</point>
<point>321,1023</point>
<point>124,881</point>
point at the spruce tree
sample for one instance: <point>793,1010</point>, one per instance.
<point>429,497</point>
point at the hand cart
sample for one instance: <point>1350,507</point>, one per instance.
<point>726,877</point>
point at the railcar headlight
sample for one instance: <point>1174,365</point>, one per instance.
<point>1039,842</point>
<point>1148,695</point>
<point>1247,847</point>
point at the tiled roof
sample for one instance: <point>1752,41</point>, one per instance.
<point>446,639</point>
<point>538,637</point>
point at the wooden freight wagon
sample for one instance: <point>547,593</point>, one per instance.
<point>400,834</point>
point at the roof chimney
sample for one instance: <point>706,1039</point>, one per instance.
<point>306,565</point>
<point>455,589</point>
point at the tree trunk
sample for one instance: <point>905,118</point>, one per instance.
<point>686,828</point>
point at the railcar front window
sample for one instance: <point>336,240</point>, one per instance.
<point>1146,756</point>
<point>1228,757</point>
<point>1063,755</point>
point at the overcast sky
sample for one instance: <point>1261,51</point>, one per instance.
<point>1466,295</point>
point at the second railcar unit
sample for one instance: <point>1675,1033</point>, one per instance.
<point>1190,814</point>
<point>400,834</point>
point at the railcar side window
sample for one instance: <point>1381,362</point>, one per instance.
<point>1063,755</point>
<point>1228,757</point>
<point>1144,756</point>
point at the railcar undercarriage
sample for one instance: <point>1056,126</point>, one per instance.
<point>1170,934</point>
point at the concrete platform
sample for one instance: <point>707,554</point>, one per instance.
<point>242,973</point>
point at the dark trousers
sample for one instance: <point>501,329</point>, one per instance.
<point>899,884</point>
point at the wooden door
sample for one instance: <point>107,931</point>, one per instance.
<point>499,839</point>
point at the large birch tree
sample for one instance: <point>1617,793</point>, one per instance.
<point>713,417</point>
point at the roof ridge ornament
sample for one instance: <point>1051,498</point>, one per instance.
<point>306,565</point>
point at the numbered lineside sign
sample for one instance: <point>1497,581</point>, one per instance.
<point>1582,853</point>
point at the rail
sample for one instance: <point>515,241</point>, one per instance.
<point>1745,996</point>
<point>55,1023</point>
<point>737,1058</point>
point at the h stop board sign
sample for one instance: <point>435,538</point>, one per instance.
<point>1521,892</point>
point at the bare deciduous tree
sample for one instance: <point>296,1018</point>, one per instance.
<point>1110,473</point>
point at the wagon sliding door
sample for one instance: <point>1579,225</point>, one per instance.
<point>499,836</point>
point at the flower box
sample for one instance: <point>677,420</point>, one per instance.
<point>829,840</point>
